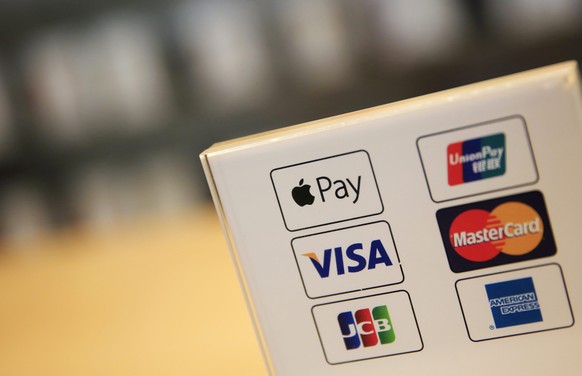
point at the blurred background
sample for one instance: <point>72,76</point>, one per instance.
<point>111,257</point>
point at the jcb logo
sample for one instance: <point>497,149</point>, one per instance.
<point>366,327</point>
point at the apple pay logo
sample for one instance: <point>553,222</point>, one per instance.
<point>327,190</point>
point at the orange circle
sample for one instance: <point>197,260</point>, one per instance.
<point>522,227</point>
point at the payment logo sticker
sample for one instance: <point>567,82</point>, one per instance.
<point>327,190</point>
<point>348,259</point>
<point>496,232</point>
<point>514,302</point>
<point>367,327</point>
<point>476,159</point>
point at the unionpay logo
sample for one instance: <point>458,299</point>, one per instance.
<point>366,327</point>
<point>514,302</point>
<point>476,159</point>
<point>496,232</point>
<point>349,259</point>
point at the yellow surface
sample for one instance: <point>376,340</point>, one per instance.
<point>155,298</point>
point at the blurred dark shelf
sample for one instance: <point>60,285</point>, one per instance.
<point>193,133</point>
<point>193,125</point>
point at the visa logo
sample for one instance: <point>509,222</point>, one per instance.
<point>366,327</point>
<point>348,259</point>
<point>353,259</point>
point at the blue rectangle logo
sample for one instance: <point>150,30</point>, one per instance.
<point>514,302</point>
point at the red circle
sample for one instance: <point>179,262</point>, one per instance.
<point>472,223</point>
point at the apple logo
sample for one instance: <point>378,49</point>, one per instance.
<point>301,194</point>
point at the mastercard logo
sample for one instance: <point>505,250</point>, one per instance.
<point>513,228</point>
<point>495,232</point>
